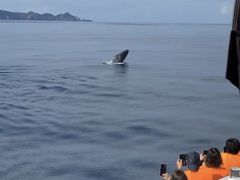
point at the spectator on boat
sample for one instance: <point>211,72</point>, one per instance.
<point>176,175</point>
<point>230,156</point>
<point>193,164</point>
<point>212,166</point>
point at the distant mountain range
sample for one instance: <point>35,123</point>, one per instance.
<point>6,15</point>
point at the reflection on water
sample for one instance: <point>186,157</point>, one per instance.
<point>120,69</point>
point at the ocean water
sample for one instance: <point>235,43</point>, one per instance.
<point>64,114</point>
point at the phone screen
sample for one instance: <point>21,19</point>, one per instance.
<point>225,149</point>
<point>163,169</point>
<point>183,157</point>
<point>205,152</point>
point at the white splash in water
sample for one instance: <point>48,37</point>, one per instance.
<point>112,62</point>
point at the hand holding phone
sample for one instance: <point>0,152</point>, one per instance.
<point>183,157</point>
<point>205,152</point>
<point>225,149</point>
<point>163,169</point>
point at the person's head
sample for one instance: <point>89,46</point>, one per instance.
<point>213,158</point>
<point>193,161</point>
<point>178,175</point>
<point>232,146</point>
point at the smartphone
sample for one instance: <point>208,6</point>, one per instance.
<point>163,169</point>
<point>205,152</point>
<point>183,157</point>
<point>225,149</point>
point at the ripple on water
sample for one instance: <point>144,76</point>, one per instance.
<point>89,86</point>
<point>54,88</point>
<point>107,173</point>
<point>7,106</point>
<point>116,136</point>
<point>109,95</point>
<point>63,170</point>
<point>143,164</point>
<point>85,77</point>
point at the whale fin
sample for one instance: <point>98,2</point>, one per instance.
<point>119,58</point>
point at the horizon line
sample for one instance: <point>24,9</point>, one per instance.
<point>123,22</point>
<point>158,23</point>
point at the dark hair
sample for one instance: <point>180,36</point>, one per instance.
<point>178,175</point>
<point>213,158</point>
<point>193,161</point>
<point>232,146</point>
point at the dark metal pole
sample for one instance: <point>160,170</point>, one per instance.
<point>235,25</point>
<point>233,64</point>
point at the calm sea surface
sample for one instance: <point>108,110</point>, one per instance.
<point>64,115</point>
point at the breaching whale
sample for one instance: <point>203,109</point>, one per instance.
<point>119,58</point>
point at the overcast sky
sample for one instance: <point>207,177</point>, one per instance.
<point>168,11</point>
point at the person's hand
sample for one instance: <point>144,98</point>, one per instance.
<point>179,163</point>
<point>202,157</point>
<point>166,176</point>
